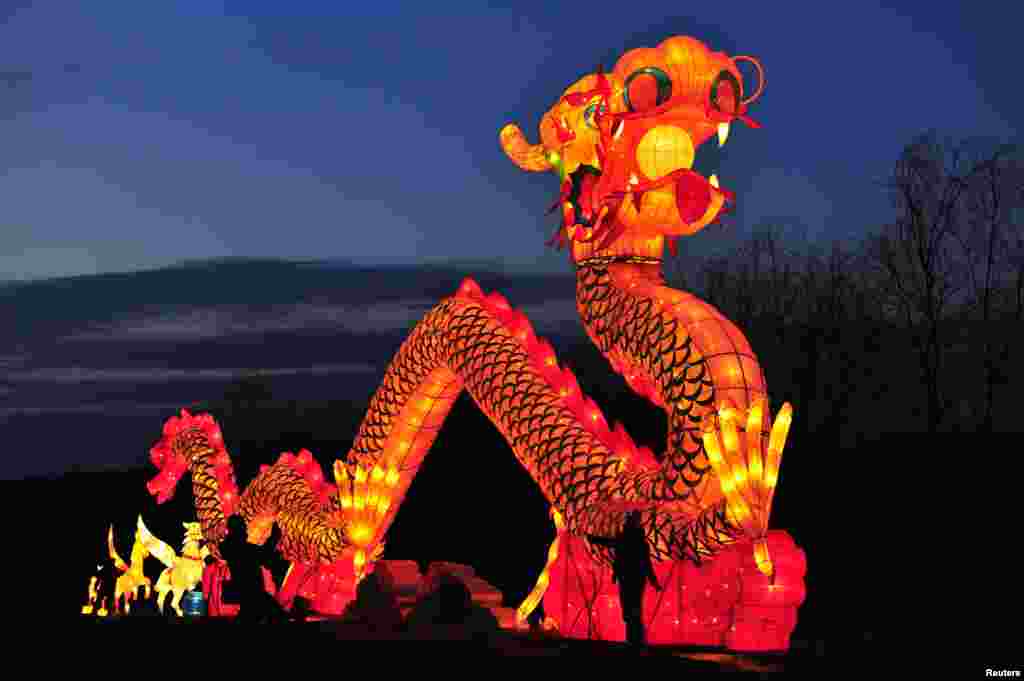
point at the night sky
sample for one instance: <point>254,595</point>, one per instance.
<point>134,135</point>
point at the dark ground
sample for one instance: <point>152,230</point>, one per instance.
<point>506,644</point>
<point>877,581</point>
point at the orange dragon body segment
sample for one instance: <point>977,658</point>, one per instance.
<point>589,472</point>
<point>677,351</point>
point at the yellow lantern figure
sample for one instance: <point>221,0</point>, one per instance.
<point>132,578</point>
<point>182,573</point>
<point>90,596</point>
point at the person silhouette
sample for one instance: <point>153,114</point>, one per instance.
<point>245,562</point>
<point>631,570</point>
<point>449,613</point>
<point>458,608</point>
<point>375,606</point>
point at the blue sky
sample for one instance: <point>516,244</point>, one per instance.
<point>137,135</point>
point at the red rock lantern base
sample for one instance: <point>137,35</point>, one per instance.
<point>727,602</point>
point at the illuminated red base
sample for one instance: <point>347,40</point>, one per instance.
<point>329,588</point>
<point>726,603</point>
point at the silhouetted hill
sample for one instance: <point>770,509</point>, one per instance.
<point>109,297</point>
<point>109,357</point>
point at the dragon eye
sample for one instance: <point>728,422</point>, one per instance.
<point>725,93</point>
<point>647,88</point>
<point>590,113</point>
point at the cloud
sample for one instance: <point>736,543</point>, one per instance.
<point>213,322</point>
<point>73,375</point>
<point>7,364</point>
<point>204,323</point>
<point>104,408</point>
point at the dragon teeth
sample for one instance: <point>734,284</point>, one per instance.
<point>723,133</point>
<point>713,181</point>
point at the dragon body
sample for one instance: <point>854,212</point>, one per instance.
<point>623,146</point>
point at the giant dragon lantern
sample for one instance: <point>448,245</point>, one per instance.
<point>622,144</point>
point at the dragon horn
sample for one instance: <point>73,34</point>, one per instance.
<point>760,78</point>
<point>602,82</point>
<point>527,156</point>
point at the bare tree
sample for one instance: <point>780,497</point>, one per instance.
<point>817,303</point>
<point>917,254</point>
<point>781,307</point>
<point>716,280</point>
<point>763,255</point>
<point>843,325</point>
<point>812,309</point>
<point>1015,257</point>
<point>990,237</point>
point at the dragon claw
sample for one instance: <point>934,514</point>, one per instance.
<point>747,475</point>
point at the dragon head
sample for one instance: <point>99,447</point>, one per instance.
<point>623,143</point>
